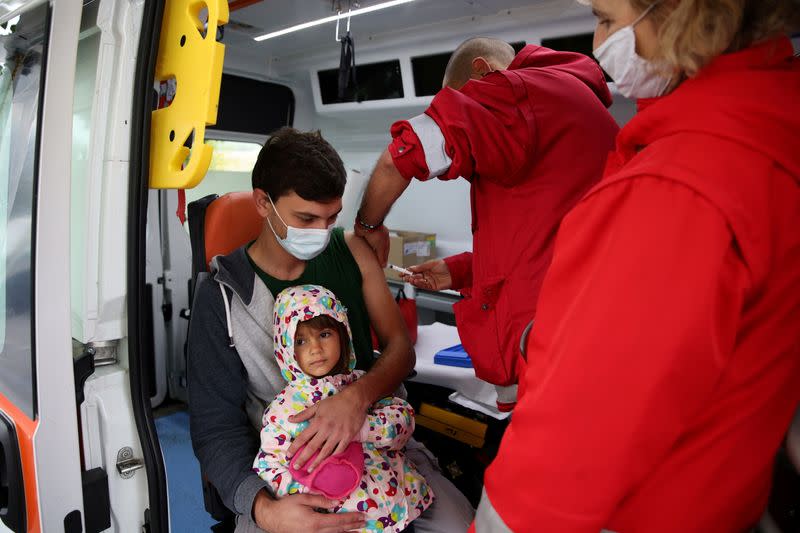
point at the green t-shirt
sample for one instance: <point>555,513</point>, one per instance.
<point>336,270</point>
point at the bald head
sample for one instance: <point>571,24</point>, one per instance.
<point>476,57</point>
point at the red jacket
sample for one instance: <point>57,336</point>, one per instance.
<point>531,140</point>
<point>664,366</point>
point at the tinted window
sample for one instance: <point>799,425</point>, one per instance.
<point>253,106</point>
<point>375,81</point>
<point>429,70</point>
<point>22,51</point>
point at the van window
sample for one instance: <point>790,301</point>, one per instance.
<point>253,106</point>
<point>83,102</point>
<point>428,73</point>
<point>23,50</point>
<point>429,70</point>
<point>230,169</point>
<point>374,81</point>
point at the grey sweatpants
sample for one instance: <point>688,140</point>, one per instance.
<point>450,512</point>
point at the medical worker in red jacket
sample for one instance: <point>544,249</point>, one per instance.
<point>531,133</point>
<point>664,364</point>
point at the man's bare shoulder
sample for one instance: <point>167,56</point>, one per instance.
<point>361,251</point>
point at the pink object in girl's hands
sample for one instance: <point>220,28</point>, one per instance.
<point>335,477</point>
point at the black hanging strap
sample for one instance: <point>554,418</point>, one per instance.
<point>347,67</point>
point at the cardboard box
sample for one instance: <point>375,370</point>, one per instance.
<point>408,248</point>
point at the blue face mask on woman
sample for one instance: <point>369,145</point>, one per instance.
<point>302,243</point>
<point>634,76</point>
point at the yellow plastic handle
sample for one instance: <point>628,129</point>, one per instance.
<point>196,64</point>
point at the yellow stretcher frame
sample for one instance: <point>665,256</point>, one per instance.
<point>196,64</point>
<point>451,424</point>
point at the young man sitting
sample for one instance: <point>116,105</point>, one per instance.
<point>298,182</point>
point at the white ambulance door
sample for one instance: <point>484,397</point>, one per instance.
<point>37,389</point>
<point>120,469</point>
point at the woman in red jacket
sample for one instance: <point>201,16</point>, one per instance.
<point>664,365</point>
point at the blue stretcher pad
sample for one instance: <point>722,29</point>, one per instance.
<point>453,356</point>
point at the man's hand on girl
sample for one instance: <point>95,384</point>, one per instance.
<point>297,513</point>
<point>334,423</point>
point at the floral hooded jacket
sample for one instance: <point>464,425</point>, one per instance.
<point>391,493</point>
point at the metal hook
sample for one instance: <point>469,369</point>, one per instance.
<point>338,17</point>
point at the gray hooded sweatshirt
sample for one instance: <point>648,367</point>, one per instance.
<point>231,377</point>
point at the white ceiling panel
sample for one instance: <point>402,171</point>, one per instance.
<point>272,15</point>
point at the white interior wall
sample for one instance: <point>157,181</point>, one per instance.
<point>360,132</point>
<point>304,116</point>
<point>360,135</point>
<point>434,206</point>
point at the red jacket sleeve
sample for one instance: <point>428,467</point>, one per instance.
<point>408,154</point>
<point>481,128</point>
<point>460,267</point>
<point>636,318</point>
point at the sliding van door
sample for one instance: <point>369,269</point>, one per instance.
<point>41,473</point>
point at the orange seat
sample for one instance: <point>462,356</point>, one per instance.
<point>219,225</point>
<point>230,222</point>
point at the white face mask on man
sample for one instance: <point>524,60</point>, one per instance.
<point>634,76</point>
<point>302,243</point>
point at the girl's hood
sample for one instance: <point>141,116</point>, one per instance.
<point>298,304</point>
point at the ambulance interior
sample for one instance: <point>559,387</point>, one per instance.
<point>400,55</point>
<point>292,79</point>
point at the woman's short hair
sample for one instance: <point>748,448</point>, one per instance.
<point>693,32</point>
